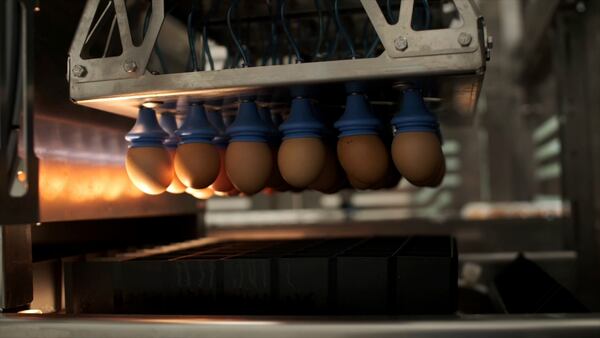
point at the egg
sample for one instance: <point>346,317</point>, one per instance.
<point>301,155</point>
<point>391,179</point>
<point>416,148</point>
<point>222,182</point>
<point>276,181</point>
<point>249,159</point>
<point>197,164</point>
<point>248,165</point>
<point>328,179</point>
<point>301,160</point>
<point>169,124</point>
<point>176,186</point>
<point>150,169</point>
<point>419,158</point>
<point>197,160</point>
<point>364,158</point>
<point>148,163</point>
<point>356,184</point>
<point>201,194</point>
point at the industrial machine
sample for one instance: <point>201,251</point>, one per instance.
<point>284,167</point>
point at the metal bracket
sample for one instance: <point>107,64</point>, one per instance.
<point>456,54</point>
<point>134,59</point>
<point>401,41</point>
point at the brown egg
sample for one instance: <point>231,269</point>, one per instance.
<point>176,187</point>
<point>364,158</point>
<point>328,179</point>
<point>419,158</point>
<point>201,194</point>
<point>301,160</point>
<point>391,179</point>
<point>150,169</point>
<point>357,184</point>
<point>276,181</point>
<point>440,178</point>
<point>248,165</point>
<point>197,164</point>
<point>222,183</point>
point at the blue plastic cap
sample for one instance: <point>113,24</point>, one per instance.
<point>146,132</point>
<point>196,128</point>
<point>169,124</point>
<point>414,115</point>
<point>302,122</point>
<point>248,125</point>
<point>358,118</point>
<point>216,120</point>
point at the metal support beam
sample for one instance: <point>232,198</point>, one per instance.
<point>16,279</point>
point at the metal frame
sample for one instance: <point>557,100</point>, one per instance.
<point>18,176</point>
<point>182,326</point>
<point>120,84</point>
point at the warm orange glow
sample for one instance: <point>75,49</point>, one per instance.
<point>201,194</point>
<point>81,182</point>
<point>31,312</point>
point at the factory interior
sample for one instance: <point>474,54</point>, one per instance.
<point>284,168</point>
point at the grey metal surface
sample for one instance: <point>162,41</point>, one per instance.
<point>546,326</point>
<point>16,289</point>
<point>429,53</point>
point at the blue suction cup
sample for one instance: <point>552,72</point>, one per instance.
<point>414,115</point>
<point>248,126</point>
<point>196,128</point>
<point>146,132</point>
<point>358,118</point>
<point>302,122</point>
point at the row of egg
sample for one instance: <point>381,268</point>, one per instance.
<point>251,153</point>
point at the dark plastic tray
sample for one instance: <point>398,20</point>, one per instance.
<point>379,275</point>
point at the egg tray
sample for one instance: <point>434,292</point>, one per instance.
<point>349,276</point>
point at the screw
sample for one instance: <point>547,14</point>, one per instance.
<point>401,43</point>
<point>465,39</point>
<point>79,71</point>
<point>130,66</point>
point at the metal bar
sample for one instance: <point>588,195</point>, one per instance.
<point>16,281</point>
<point>494,326</point>
<point>93,30</point>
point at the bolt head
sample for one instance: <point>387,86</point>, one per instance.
<point>79,71</point>
<point>465,39</point>
<point>130,66</point>
<point>401,43</point>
